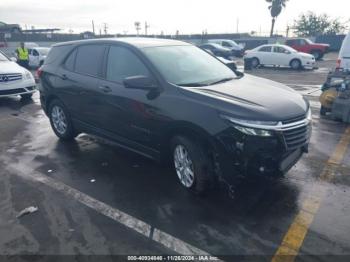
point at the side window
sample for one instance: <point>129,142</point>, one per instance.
<point>290,42</point>
<point>265,49</point>
<point>279,49</point>
<point>89,59</point>
<point>302,42</point>
<point>35,53</point>
<point>122,63</point>
<point>69,63</point>
<point>226,44</point>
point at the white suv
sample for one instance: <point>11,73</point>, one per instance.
<point>343,61</point>
<point>37,56</point>
<point>15,80</point>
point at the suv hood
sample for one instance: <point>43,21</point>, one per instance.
<point>9,67</point>
<point>252,98</point>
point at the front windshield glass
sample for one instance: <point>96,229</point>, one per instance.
<point>188,65</point>
<point>43,51</point>
<point>3,58</point>
<point>308,41</point>
<point>290,49</point>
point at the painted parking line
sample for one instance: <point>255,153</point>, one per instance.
<point>294,238</point>
<point>117,215</point>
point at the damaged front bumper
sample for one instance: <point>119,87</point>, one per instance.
<point>271,155</point>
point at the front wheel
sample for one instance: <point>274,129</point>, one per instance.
<point>295,64</point>
<point>317,54</point>
<point>60,121</point>
<point>192,165</point>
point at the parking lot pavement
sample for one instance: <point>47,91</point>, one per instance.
<point>94,198</point>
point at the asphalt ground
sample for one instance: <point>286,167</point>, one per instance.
<point>95,200</point>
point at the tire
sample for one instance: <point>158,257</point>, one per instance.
<point>255,62</point>
<point>323,111</point>
<point>317,54</point>
<point>27,96</point>
<point>198,162</point>
<point>295,64</point>
<point>58,112</point>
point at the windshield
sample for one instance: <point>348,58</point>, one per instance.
<point>3,58</point>
<point>43,51</point>
<point>188,65</point>
<point>290,49</point>
<point>308,41</point>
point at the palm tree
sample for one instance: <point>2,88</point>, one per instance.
<point>275,9</point>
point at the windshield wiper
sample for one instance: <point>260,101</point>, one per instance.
<point>192,84</point>
<point>223,80</point>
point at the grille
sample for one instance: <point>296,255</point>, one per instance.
<point>12,91</point>
<point>292,120</point>
<point>4,78</point>
<point>297,137</point>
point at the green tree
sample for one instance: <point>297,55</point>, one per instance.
<point>275,8</point>
<point>311,24</point>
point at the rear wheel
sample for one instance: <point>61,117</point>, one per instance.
<point>192,165</point>
<point>255,62</point>
<point>295,64</point>
<point>60,121</point>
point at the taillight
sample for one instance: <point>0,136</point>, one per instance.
<point>338,63</point>
<point>38,74</point>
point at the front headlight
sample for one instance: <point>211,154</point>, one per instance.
<point>309,115</point>
<point>28,75</point>
<point>253,131</point>
<point>253,128</point>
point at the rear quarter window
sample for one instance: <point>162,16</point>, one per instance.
<point>57,54</point>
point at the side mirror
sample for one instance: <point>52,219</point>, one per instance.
<point>140,82</point>
<point>13,59</point>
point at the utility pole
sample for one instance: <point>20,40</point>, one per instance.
<point>137,27</point>
<point>105,28</point>
<point>146,27</point>
<point>237,25</point>
<point>93,26</point>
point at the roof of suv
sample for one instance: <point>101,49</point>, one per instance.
<point>139,42</point>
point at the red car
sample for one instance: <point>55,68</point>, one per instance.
<point>307,46</point>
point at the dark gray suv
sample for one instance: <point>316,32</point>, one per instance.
<point>166,98</point>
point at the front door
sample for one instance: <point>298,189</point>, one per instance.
<point>125,112</point>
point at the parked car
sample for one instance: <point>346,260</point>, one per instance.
<point>9,28</point>
<point>163,98</point>
<point>307,46</point>
<point>218,50</point>
<point>280,55</point>
<point>37,56</point>
<point>343,61</point>
<point>236,49</point>
<point>14,79</point>
<point>230,63</point>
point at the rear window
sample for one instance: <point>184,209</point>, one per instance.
<point>70,61</point>
<point>89,59</point>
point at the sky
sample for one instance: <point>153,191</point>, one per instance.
<point>187,16</point>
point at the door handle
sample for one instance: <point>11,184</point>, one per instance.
<point>105,89</point>
<point>64,77</point>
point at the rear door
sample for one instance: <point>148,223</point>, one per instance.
<point>77,82</point>
<point>265,55</point>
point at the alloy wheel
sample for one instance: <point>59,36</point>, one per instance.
<point>59,119</point>
<point>184,166</point>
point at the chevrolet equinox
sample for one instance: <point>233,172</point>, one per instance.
<point>166,99</point>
